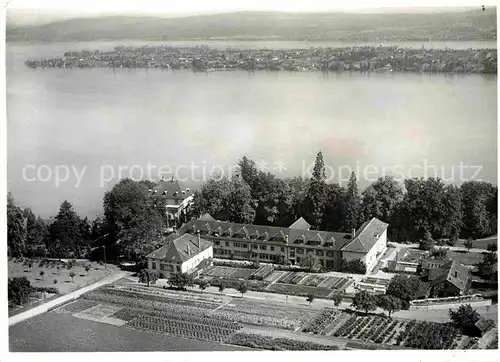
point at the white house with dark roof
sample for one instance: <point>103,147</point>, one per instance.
<point>178,199</point>
<point>368,244</point>
<point>180,254</point>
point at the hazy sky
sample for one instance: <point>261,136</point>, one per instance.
<point>196,6</point>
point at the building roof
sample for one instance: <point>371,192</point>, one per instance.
<point>172,189</point>
<point>434,263</point>
<point>206,217</point>
<point>409,255</point>
<point>260,233</point>
<point>180,248</point>
<point>300,224</point>
<point>484,324</point>
<point>455,273</point>
<point>366,237</point>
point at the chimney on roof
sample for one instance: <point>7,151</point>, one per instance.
<point>188,251</point>
<point>353,232</point>
<point>199,241</point>
<point>286,239</point>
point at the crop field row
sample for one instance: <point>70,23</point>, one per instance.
<point>262,273</point>
<point>268,314</point>
<point>275,275</point>
<point>381,330</point>
<point>181,328</point>
<point>228,272</point>
<point>313,280</point>
<point>325,322</point>
<point>136,300</point>
<point>300,290</point>
<point>241,312</point>
<point>169,294</point>
<point>428,335</point>
<point>276,344</point>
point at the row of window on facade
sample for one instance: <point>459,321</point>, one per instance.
<point>262,237</point>
<point>272,248</point>
<point>263,256</point>
<point>166,267</point>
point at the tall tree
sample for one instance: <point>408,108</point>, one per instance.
<point>132,219</point>
<point>364,301</point>
<point>239,205</point>
<point>480,200</point>
<point>353,204</point>
<point>65,233</point>
<point>16,228</point>
<point>37,233</point>
<point>380,198</point>
<point>428,207</point>
<point>316,194</point>
<point>335,209</point>
<point>224,199</point>
<point>389,303</point>
<point>276,207</point>
<point>405,288</point>
<point>464,318</point>
<point>298,191</point>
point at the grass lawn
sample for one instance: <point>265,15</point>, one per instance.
<point>53,332</point>
<point>479,244</point>
<point>468,258</point>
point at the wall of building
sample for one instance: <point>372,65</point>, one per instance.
<point>374,254</point>
<point>272,252</point>
<point>189,265</point>
<point>348,256</point>
<point>167,268</point>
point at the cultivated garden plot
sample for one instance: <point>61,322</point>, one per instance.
<point>274,276</point>
<point>314,280</point>
<point>300,290</point>
<point>228,272</point>
<point>56,274</point>
<point>277,344</point>
<point>382,330</point>
<point>185,326</point>
<point>268,314</point>
<point>262,273</point>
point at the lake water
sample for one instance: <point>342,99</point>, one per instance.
<point>97,120</point>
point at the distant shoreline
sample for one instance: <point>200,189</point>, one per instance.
<point>204,58</point>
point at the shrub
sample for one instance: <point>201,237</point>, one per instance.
<point>276,344</point>
<point>55,281</point>
<point>355,266</point>
<point>19,290</point>
<point>147,277</point>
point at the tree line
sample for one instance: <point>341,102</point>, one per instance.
<point>134,220</point>
<point>419,209</point>
<point>132,225</point>
<point>68,235</point>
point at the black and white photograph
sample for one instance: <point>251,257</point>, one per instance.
<point>190,176</point>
